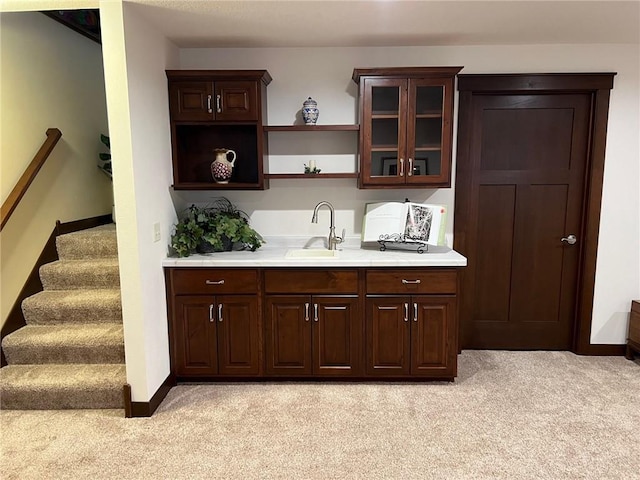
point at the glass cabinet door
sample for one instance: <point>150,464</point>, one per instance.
<point>384,148</point>
<point>426,131</point>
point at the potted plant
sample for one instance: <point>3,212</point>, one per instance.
<point>214,228</point>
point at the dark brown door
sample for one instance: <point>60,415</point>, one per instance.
<point>388,335</point>
<point>336,335</point>
<point>237,325</point>
<point>195,335</point>
<point>520,198</point>
<point>288,334</point>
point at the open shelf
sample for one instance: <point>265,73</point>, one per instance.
<point>311,128</point>
<point>315,175</point>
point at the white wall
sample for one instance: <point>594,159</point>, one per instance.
<point>325,74</point>
<point>136,57</point>
<point>51,77</point>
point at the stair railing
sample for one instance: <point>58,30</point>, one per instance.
<point>10,204</point>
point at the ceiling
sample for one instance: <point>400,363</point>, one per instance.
<point>327,23</point>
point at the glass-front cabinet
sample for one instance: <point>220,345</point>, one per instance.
<point>406,126</point>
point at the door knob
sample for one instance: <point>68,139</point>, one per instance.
<point>571,239</point>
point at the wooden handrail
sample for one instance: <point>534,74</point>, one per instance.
<point>10,204</point>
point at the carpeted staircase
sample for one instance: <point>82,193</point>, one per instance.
<point>70,355</point>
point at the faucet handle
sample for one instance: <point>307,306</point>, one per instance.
<point>341,238</point>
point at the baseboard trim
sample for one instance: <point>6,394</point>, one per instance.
<point>146,409</point>
<point>15,319</point>
<point>602,350</point>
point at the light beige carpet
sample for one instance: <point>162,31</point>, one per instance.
<point>509,415</point>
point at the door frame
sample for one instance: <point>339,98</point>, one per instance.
<point>598,86</point>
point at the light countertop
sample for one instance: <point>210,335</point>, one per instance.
<point>274,251</point>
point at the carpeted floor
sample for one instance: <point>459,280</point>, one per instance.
<point>509,415</point>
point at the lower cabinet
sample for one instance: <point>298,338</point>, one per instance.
<point>216,335</point>
<point>312,335</point>
<point>410,336</point>
<point>411,318</point>
<point>360,323</point>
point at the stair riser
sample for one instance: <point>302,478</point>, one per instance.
<point>60,278</point>
<point>71,247</point>
<point>29,355</point>
<point>35,315</point>
<point>61,399</point>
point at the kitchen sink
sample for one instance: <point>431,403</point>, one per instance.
<point>311,253</point>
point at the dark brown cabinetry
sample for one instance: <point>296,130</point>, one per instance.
<point>406,126</point>
<point>410,323</point>
<point>216,327</point>
<point>212,109</point>
<point>359,323</point>
<point>317,333</point>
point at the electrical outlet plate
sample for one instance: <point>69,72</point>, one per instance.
<point>156,232</point>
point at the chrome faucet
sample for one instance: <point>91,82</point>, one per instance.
<point>333,239</point>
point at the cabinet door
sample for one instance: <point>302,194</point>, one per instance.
<point>236,101</point>
<point>433,346</point>
<point>195,336</point>
<point>191,101</point>
<point>387,334</point>
<point>383,157</point>
<point>288,334</point>
<point>336,334</point>
<point>238,334</point>
<point>429,131</point>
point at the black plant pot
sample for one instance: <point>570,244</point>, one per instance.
<point>206,247</point>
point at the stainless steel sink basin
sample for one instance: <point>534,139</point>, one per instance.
<point>311,253</point>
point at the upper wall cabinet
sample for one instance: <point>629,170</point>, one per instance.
<point>218,109</point>
<point>406,126</point>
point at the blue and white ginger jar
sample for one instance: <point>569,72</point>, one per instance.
<point>310,111</point>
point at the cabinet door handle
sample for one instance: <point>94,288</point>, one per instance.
<point>214,282</point>
<point>406,312</point>
<point>410,171</point>
<point>401,174</point>
<point>209,104</point>
<point>211,319</point>
<point>218,103</point>
<point>415,312</point>
<point>410,282</point>
<point>306,312</point>
<point>219,312</point>
<point>315,312</point>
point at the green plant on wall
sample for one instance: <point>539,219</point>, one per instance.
<point>105,158</point>
<point>213,228</point>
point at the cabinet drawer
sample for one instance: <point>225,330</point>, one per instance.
<point>214,280</point>
<point>411,281</point>
<point>311,281</point>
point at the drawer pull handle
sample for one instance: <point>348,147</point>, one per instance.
<point>214,282</point>
<point>410,282</point>
<point>211,312</point>
<point>315,312</point>
<point>406,312</point>
<point>306,312</point>
<point>219,312</point>
<point>415,312</point>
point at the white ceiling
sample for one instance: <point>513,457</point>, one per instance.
<point>308,23</point>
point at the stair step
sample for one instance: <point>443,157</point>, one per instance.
<point>73,306</point>
<point>36,344</point>
<point>56,387</point>
<point>77,274</point>
<point>97,242</point>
